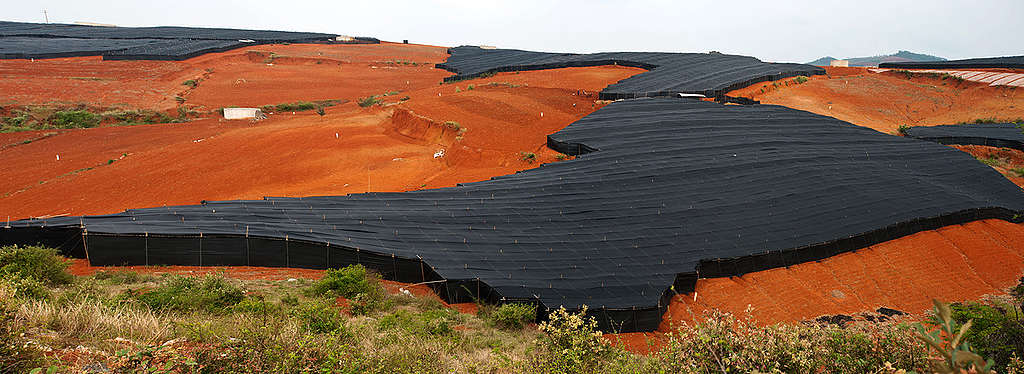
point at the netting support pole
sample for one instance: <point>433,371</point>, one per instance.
<point>423,270</point>
<point>248,257</point>
<point>394,264</point>
<point>85,245</point>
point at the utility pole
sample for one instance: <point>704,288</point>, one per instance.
<point>46,16</point>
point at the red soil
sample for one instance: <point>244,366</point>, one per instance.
<point>954,263</point>
<point>884,101</point>
<point>348,150</point>
<point>258,75</point>
<point>274,74</point>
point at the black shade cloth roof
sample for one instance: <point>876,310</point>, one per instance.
<point>709,74</point>
<point>663,189</point>
<point>32,47</point>
<point>56,30</point>
<point>1009,135</point>
<point>1009,62</point>
<point>37,40</point>
<point>173,50</point>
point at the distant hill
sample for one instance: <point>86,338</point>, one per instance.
<point>901,56</point>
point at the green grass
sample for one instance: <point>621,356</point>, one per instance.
<point>136,117</point>
<point>209,324</point>
<point>123,277</point>
<point>375,99</point>
<point>45,117</point>
<point>300,106</point>
<point>992,161</point>
<point>993,120</point>
<point>1018,171</point>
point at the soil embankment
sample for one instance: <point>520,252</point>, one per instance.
<point>885,101</point>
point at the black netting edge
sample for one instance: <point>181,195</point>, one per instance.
<point>738,266</point>
<point>973,140</point>
<point>718,93</point>
<point>111,55</point>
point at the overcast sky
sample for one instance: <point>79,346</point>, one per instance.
<point>773,30</point>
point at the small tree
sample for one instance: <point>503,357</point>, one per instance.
<point>955,354</point>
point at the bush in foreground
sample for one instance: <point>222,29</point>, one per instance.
<point>511,316</point>
<point>212,293</point>
<point>36,263</point>
<point>347,282</point>
<point>724,343</point>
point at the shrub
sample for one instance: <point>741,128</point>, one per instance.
<point>347,282</point>
<point>571,343</point>
<point>319,317</point>
<point>529,157</point>
<point>511,316</point>
<point>902,130</point>
<point>948,341</point>
<point>74,119</point>
<point>995,331</point>
<point>367,303</point>
<point>211,293</point>
<point>25,288</point>
<point>34,262</point>
<point>800,79</point>
<point>723,343</point>
<point>369,101</point>
<point>191,83</point>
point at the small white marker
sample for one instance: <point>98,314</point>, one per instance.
<point>542,114</point>
<point>336,135</point>
<point>58,157</point>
